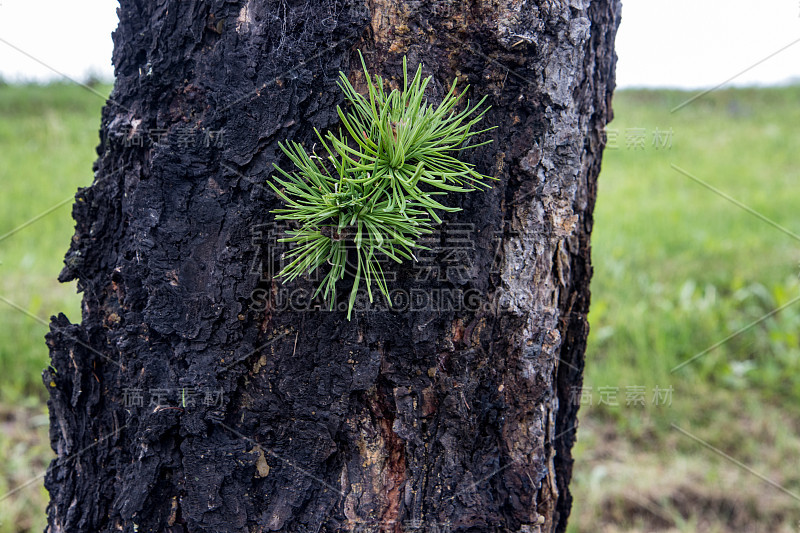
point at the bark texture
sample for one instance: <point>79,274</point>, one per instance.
<point>444,417</point>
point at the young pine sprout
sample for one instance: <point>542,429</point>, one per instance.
<point>374,195</point>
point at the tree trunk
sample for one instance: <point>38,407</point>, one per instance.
<point>200,394</point>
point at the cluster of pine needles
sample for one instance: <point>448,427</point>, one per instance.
<point>378,189</point>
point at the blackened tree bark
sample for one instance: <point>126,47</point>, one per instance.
<point>192,398</point>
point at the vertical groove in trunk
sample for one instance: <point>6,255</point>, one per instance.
<point>191,396</point>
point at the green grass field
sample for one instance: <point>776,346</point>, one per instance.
<point>47,140</point>
<point>678,268</point>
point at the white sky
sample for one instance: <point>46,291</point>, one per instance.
<point>675,43</point>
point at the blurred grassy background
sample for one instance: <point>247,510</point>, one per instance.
<point>47,140</point>
<point>678,268</point>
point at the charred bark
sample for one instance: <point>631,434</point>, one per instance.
<point>195,396</point>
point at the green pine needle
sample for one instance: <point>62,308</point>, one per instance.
<point>374,193</point>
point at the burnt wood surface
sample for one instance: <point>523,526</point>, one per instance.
<point>194,395</point>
